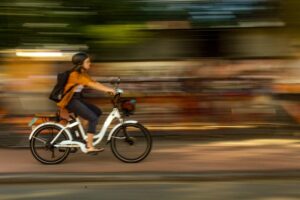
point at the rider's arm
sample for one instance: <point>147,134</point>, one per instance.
<point>86,80</point>
<point>98,86</point>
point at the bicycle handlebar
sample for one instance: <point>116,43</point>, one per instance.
<point>115,81</point>
<point>118,91</point>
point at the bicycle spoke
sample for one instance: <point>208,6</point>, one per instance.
<point>52,155</point>
<point>41,148</point>
<point>39,139</point>
<point>131,143</point>
<point>120,138</point>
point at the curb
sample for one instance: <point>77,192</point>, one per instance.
<point>15,178</point>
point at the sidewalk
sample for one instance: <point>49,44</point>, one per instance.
<point>171,159</point>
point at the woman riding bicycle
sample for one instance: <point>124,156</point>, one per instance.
<point>72,101</point>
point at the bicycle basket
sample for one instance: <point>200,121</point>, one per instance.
<point>128,106</point>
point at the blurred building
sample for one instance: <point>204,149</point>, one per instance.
<point>225,63</point>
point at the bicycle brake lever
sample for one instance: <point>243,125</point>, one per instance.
<point>119,91</point>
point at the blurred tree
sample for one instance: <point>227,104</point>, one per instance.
<point>102,25</point>
<point>40,23</point>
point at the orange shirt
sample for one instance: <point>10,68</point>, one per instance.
<point>74,78</point>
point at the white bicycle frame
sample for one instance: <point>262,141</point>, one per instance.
<point>115,114</point>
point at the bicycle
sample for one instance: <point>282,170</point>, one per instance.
<point>51,142</point>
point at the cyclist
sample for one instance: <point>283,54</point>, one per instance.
<point>73,102</point>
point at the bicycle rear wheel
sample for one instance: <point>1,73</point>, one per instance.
<point>45,152</point>
<point>131,143</point>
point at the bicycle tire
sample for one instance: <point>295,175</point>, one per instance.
<point>34,147</point>
<point>119,139</point>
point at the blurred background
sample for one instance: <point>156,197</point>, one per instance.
<point>193,65</point>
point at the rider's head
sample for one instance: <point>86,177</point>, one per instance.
<point>81,61</point>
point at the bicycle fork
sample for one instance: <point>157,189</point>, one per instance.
<point>128,139</point>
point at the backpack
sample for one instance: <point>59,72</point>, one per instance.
<point>57,93</point>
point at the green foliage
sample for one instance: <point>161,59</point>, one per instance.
<point>117,34</point>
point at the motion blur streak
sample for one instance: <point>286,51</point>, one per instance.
<point>192,65</point>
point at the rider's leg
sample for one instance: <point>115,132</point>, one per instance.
<point>85,112</point>
<point>89,142</point>
<point>90,138</point>
<point>93,108</point>
<point>91,132</point>
<point>91,126</point>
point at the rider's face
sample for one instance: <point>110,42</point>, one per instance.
<point>87,63</point>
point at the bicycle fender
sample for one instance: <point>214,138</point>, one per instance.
<point>51,123</point>
<point>118,125</point>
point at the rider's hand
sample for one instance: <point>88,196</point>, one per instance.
<point>111,92</point>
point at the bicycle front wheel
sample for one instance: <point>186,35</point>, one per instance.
<point>131,143</point>
<point>43,150</point>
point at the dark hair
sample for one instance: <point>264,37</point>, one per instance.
<point>78,59</point>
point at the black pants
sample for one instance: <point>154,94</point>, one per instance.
<point>85,110</point>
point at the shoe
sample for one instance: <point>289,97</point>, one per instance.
<point>94,150</point>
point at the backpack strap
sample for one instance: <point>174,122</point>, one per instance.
<point>69,90</point>
<point>73,69</point>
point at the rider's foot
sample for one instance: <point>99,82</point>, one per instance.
<point>93,149</point>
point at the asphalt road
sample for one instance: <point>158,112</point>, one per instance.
<point>239,190</point>
<point>261,169</point>
<point>172,155</point>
